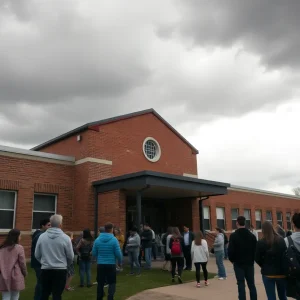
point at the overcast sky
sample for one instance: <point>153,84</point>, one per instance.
<point>226,74</point>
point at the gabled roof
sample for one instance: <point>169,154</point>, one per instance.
<point>92,125</point>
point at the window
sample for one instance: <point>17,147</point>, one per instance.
<point>269,217</point>
<point>234,216</point>
<point>247,215</point>
<point>288,221</point>
<point>206,218</point>
<point>44,206</point>
<point>221,217</point>
<point>279,218</point>
<point>151,149</point>
<point>258,219</point>
<point>7,209</point>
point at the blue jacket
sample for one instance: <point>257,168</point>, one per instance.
<point>107,249</point>
<point>34,262</point>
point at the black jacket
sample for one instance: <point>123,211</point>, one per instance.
<point>146,239</point>
<point>191,238</point>
<point>34,263</point>
<point>242,246</point>
<point>270,259</point>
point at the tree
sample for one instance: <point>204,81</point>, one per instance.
<point>297,191</point>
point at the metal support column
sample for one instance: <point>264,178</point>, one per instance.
<point>201,216</point>
<point>139,209</point>
<point>96,213</point>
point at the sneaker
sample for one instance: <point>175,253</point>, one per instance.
<point>69,289</point>
<point>179,279</point>
<point>222,278</point>
<point>95,283</point>
<point>106,285</point>
<point>206,283</point>
<point>198,285</point>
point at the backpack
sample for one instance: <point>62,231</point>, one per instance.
<point>85,251</point>
<point>176,247</point>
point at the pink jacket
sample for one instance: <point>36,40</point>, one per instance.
<point>12,268</point>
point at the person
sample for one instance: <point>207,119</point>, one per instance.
<point>44,225</point>
<point>241,252</point>
<point>293,243</point>
<point>280,231</point>
<point>71,267</point>
<point>120,237</point>
<point>252,229</point>
<point>84,251</point>
<point>225,244</point>
<point>107,250</point>
<point>147,245</point>
<point>269,253</point>
<point>200,256</point>
<point>188,237</point>
<point>167,251</point>
<point>54,250</point>
<point>289,233</point>
<point>154,244</point>
<point>219,254</point>
<point>12,266</point>
<point>176,246</point>
<point>133,249</point>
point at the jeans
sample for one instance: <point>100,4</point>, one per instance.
<point>38,286</point>
<point>106,274</point>
<point>205,273</point>
<point>133,257</point>
<point>188,257</point>
<point>242,273</point>
<point>10,295</point>
<point>85,269</point>
<point>148,257</point>
<point>270,284</point>
<point>53,282</point>
<point>220,264</point>
<point>226,251</point>
<point>179,262</point>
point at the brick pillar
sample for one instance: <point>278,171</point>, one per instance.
<point>213,216</point>
<point>195,215</point>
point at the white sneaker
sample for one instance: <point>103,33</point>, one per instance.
<point>216,276</point>
<point>222,278</point>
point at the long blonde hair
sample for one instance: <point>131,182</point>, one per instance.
<point>198,238</point>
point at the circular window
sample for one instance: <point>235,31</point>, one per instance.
<point>151,149</point>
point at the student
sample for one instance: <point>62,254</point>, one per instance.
<point>176,246</point>
<point>84,249</point>
<point>188,237</point>
<point>200,256</point>
<point>241,252</point>
<point>269,253</point>
<point>219,254</point>
<point>133,248</point>
<point>12,266</point>
<point>147,245</point>
<point>120,237</point>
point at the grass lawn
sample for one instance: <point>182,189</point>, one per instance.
<point>126,285</point>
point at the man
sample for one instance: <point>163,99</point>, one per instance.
<point>154,244</point>
<point>146,238</point>
<point>188,237</point>
<point>54,251</point>
<point>293,284</point>
<point>107,251</point>
<point>44,225</point>
<point>241,252</point>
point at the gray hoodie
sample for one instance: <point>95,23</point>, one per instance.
<point>219,242</point>
<point>296,239</point>
<point>54,250</point>
<point>133,243</point>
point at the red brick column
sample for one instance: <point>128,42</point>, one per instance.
<point>195,215</point>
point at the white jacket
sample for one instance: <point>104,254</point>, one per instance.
<point>200,253</point>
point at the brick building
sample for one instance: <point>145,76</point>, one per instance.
<point>128,170</point>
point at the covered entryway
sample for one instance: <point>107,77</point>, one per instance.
<point>180,195</point>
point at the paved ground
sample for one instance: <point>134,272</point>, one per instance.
<point>227,289</point>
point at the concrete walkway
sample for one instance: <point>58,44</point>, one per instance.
<point>227,289</point>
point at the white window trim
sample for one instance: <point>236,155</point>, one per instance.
<point>158,155</point>
<point>238,211</point>
<point>247,209</point>
<point>14,210</point>
<point>209,217</point>
<point>39,211</point>
<point>224,216</point>
<point>271,216</point>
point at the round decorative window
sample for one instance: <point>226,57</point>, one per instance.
<point>151,149</point>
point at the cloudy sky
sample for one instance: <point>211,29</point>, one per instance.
<point>226,74</point>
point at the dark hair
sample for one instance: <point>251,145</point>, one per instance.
<point>296,220</point>
<point>134,229</point>
<point>176,232</point>
<point>198,238</point>
<point>108,227</point>
<point>147,225</point>
<point>44,222</point>
<point>241,220</point>
<point>219,229</point>
<point>289,233</point>
<point>269,233</point>
<point>12,238</point>
<point>87,235</point>
<point>169,230</point>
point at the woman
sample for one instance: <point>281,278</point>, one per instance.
<point>121,240</point>
<point>200,256</point>
<point>166,241</point>
<point>219,254</point>
<point>176,245</point>
<point>269,253</point>
<point>133,248</point>
<point>84,249</point>
<point>71,268</point>
<point>12,266</point>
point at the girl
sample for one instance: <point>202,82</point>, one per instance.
<point>133,248</point>
<point>200,256</point>
<point>177,259</point>
<point>219,253</point>
<point>269,253</point>
<point>12,266</point>
<point>121,240</point>
<point>71,268</point>
<point>84,249</point>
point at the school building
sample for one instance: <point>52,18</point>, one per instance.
<point>130,169</point>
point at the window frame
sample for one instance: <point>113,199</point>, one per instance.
<point>224,216</point>
<point>158,154</point>
<point>280,222</point>
<point>260,211</point>
<point>209,217</point>
<point>39,211</point>
<point>234,220</point>
<point>271,212</point>
<point>288,222</point>
<point>248,220</point>
<point>14,210</point>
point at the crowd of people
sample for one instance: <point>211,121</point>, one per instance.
<point>53,252</point>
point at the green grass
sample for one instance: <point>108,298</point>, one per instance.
<point>126,285</point>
